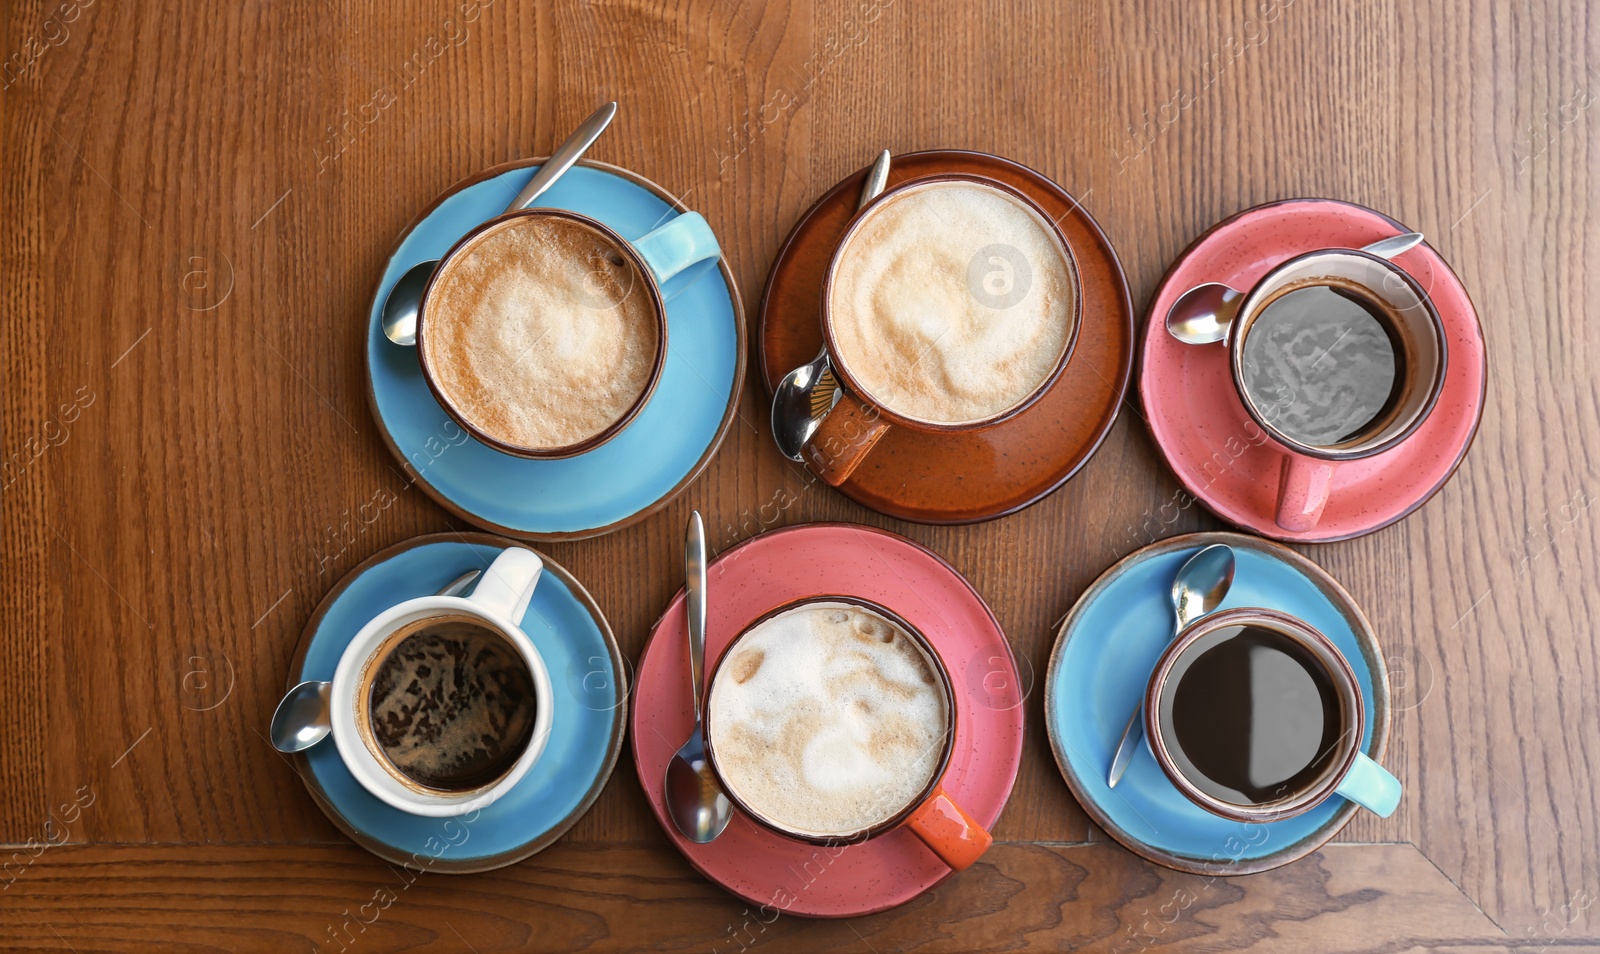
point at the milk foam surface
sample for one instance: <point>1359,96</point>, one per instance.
<point>952,303</point>
<point>827,719</point>
<point>542,333</point>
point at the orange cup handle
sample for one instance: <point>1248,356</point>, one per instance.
<point>949,831</point>
<point>844,438</point>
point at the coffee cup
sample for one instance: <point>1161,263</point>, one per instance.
<point>1256,716</point>
<point>951,304</point>
<point>1337,355</point>
<point>543,332</point>
<point>441,704</point>
<point>831,720</point>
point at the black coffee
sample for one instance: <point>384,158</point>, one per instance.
<point>452,705</point>
<point>1253,718</point>
<point>1324,364</point>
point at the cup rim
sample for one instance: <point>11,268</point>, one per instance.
<point>857,221</point>
<point>368,768</point>
<point>1346,684</point>
<point>1434,390</point>
<point>934,782</point>
<point>657,365</point>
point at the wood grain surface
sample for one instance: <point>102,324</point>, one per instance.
<point>198,197</point>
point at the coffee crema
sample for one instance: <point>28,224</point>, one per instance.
<point>952,303</point>
<point>541,332</point>
<point>827,719</point>
<point>1328,361</point>
<point>449,703</point>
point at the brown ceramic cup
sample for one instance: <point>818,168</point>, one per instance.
<point>859,419</point>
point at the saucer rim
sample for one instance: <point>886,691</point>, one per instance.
<point>1129,356</point>
<point>736,394</point>
<point>1342,603</point>
<point>1269,527</point>
<point>619,720</point>
<point>658,811</point>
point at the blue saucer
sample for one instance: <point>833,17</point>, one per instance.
<point>626,478</point>
<point>1102,662</point>
<point>586,670</point>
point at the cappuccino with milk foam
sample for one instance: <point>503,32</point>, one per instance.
<point>541,332</point>
<point>952,302</point>
<point>827,719</point>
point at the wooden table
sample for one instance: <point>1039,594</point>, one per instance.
<point>199,197</point>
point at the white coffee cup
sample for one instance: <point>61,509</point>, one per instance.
<point>499,601</point>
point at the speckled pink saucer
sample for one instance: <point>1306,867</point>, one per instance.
<point>777,875</point>
<point>1228,462</point>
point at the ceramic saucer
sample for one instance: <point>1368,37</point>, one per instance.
<point>1102,661</point>
<point>1209,441</point>
<point>591,687</point>
<point>836,559</point>
<point>627,478</point>
<point>965,478</point>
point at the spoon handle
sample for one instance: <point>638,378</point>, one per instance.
<point>459,585</point>
<point>565,155</point>
<point>695,598</point>
<point>1131,737</point>
<point>1393,245</point>
<point>877,180</point>
<point>1133,734</point>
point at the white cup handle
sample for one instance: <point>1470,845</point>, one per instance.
<point>507,585</point>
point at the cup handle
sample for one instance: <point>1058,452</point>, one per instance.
<point>949,831</point>
<point>507,585</point>
<point>1371,786</point>
<point>844,438</point>
<point>1303,487</point>
<point>671,248</point>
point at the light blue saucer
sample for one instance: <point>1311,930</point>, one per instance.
<point>586,671</point>
<point>626,478</point>
<point>1102,661</point>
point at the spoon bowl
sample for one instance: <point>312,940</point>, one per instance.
<point>1202,583</point>
<point>695,798</point>
<point>400,310</point>
<point>793,417</point>
<point>1203,314</point>
<point>301,719</point>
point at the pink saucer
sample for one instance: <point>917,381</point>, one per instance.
<point>1202,429</point>
<point>836,559</point>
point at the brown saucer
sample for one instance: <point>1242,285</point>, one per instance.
<point>966,478</point>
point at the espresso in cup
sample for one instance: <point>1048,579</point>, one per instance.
<point>448,704</point>
<point>827,720</point>
<point>952,302</point>
<point>1333,353</point>
<point>1254,716</point>
<point>541,332</point>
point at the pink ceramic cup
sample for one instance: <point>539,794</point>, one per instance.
<point>1306,478</point>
